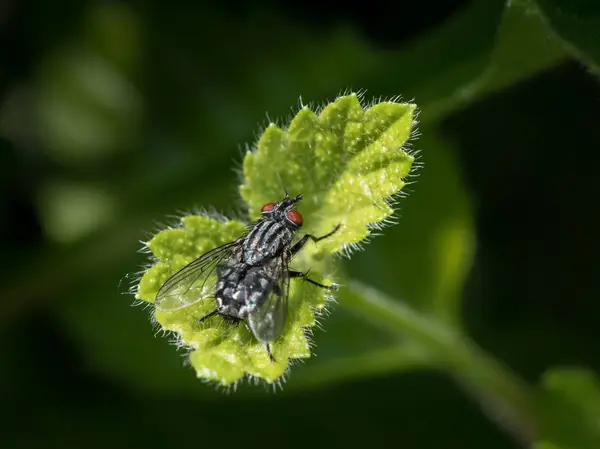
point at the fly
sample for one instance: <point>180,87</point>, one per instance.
<point>252,274</point>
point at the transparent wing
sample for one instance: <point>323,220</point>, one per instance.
<point>270,315</point>
<point>190,284</point>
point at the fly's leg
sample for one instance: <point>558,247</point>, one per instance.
<point>304,276</point>
<point>300,244</point>
<point>271,354</point>
<point>232,320</point>
<point>206,317</point>
<point>228,319</point>
<point>298,274</point>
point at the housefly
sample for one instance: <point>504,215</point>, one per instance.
<point>252,274</point>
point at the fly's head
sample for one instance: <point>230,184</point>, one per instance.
<point>284,212</point>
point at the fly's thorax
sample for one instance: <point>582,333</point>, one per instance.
<point>266,240</point>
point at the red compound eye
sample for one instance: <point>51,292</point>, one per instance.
<point>295,217</point>
<point>267,207</point>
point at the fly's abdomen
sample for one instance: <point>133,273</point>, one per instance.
<point>265,241</point>
<point>230,292</point>
<point>241,290</point>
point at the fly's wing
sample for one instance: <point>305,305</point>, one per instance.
<point>270,312</point>
<point>189,285</point>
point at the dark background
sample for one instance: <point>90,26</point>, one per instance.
<point>114,115</point>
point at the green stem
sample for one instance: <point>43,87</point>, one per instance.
<point>502,394</point>
<point>399,357</point>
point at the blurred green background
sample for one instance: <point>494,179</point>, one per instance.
<point>115,116</point>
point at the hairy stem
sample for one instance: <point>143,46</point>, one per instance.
<point>502,394</point>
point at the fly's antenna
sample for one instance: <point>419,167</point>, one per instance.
<point>282,185</point>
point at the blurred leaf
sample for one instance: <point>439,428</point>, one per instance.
<point>444,60</point>
<point>485,47</point>
<point>522,48</point>
<point>577,23</point>
<point>569,409</point>
<point>72,210</point>
<point>87,106</point>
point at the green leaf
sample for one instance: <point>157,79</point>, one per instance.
<point>577,23</point>
<point>348,163</point>
<point>522,48</point>
<point>569,409</point>
<point>221,352</point>
<point>480,49</point>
